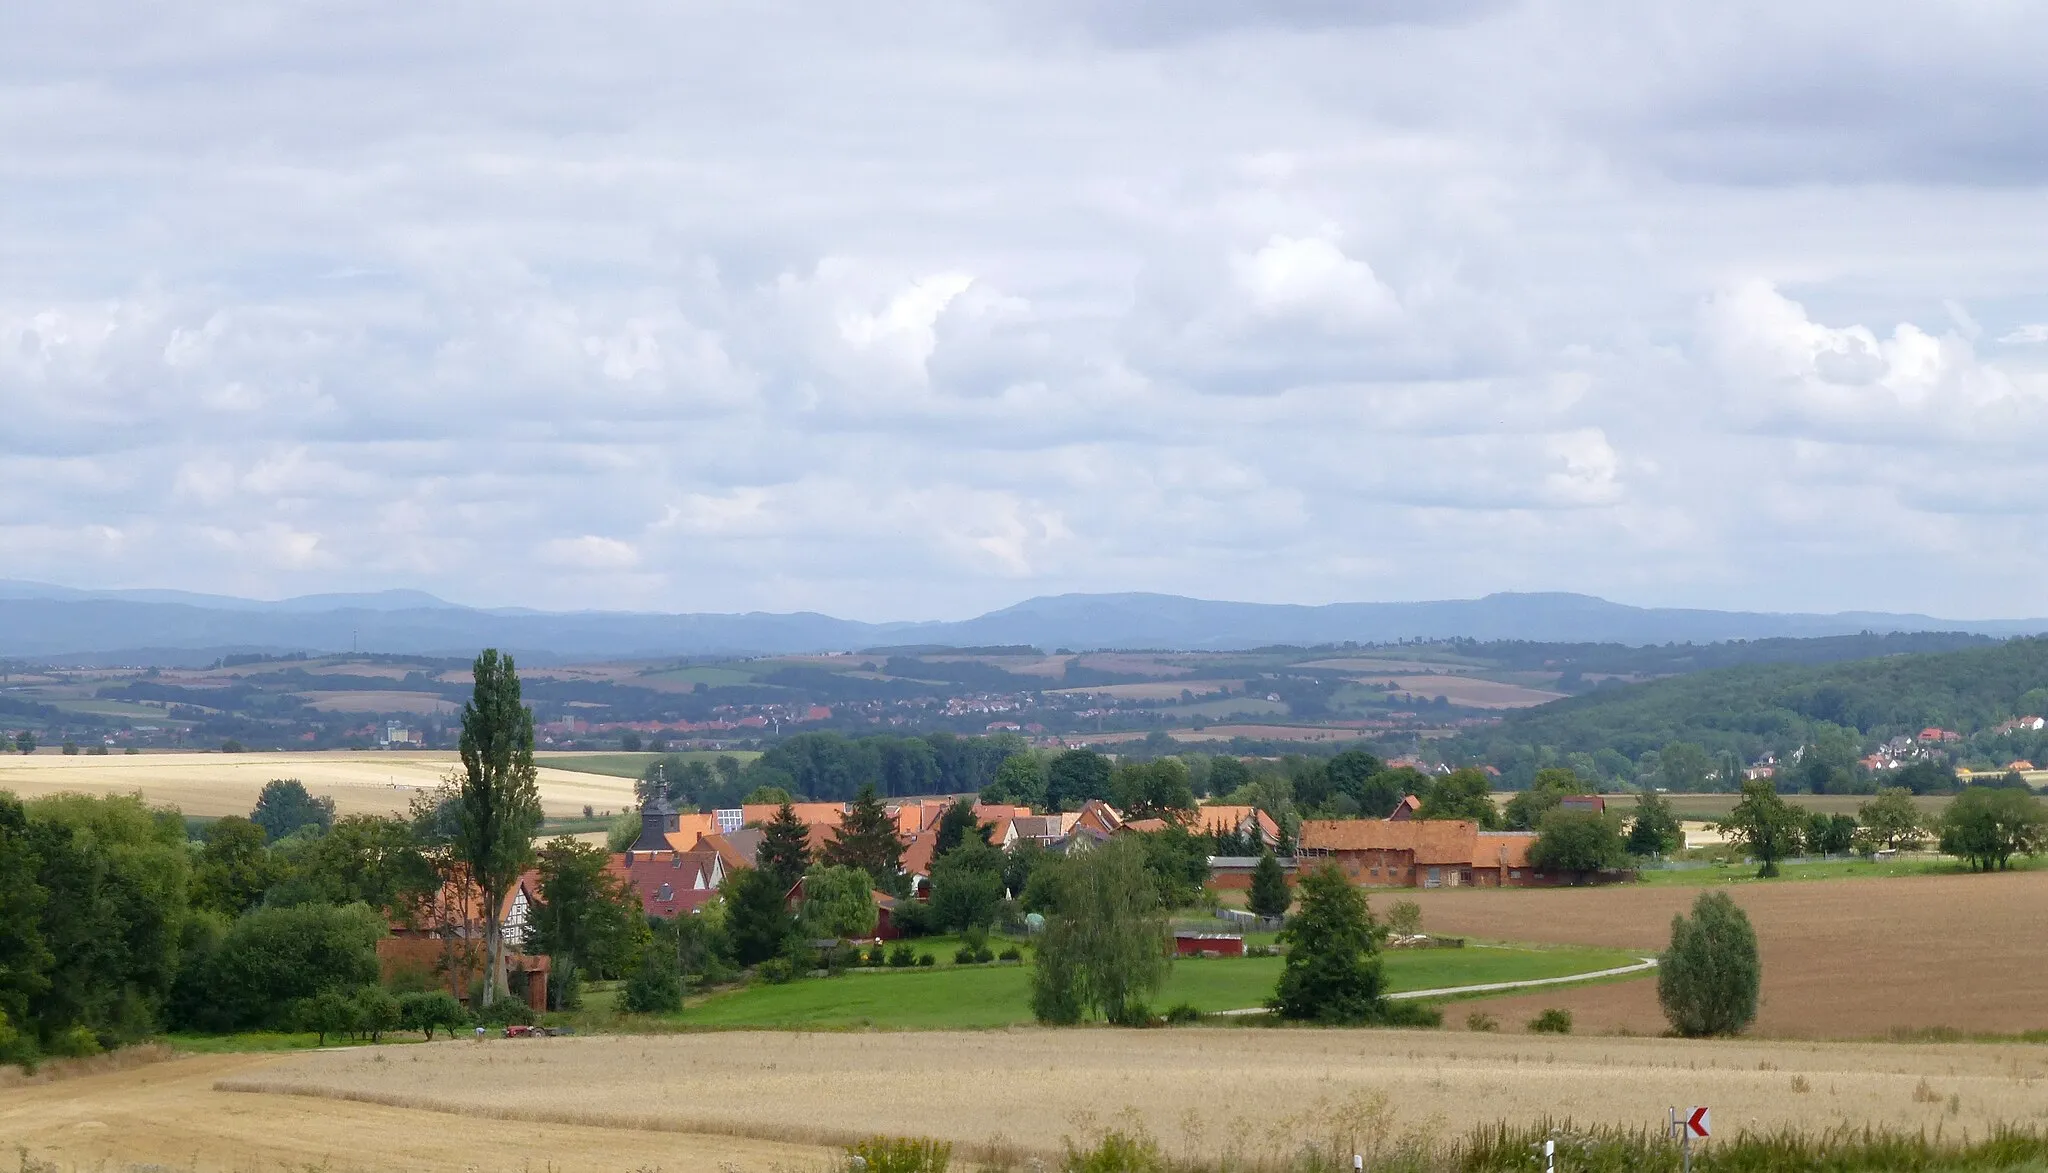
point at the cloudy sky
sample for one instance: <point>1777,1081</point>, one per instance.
<point>914,310</point>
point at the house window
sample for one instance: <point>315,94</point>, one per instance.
<point>666,893</point>
<point>1514,873</point>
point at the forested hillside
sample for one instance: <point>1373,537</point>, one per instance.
<point>1751,709</point>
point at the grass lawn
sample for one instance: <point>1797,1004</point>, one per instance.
<point>632,765</point>
<point>1833,869</point>
<point>999,995</point>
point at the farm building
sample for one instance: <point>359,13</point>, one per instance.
<point>1420,853</point>
<point>1193,944</point>
<point>442,939</point>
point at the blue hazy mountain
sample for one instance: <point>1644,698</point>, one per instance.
<point>37,620</point>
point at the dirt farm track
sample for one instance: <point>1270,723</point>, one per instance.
<point>760,1101</point>
<point>1853,958</point>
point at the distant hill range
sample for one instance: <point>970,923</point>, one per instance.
<point>165,627</point>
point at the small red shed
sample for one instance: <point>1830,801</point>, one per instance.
<point>1221,944</point>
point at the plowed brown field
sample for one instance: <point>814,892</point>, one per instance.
<point>1841,958</point>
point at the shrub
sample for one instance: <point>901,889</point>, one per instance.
<point>1011,954</point>
<point>901,956</point>
<point>926,960</point>
<point>886,1154</point>
<point>842,957</point>
<point>655,986</point>
<point>1116,1152</point>
<point>984,955</point>
<point>878,956</point>
<point>505,1012</point>
<point>1133,1013</point>
<point>1481,1021</point>
<point>1404,918</point>
<point>74,1042</point>
<point>1183,1012</point>
<point>778,970</point>
<point>964,955</point>
<point>1552,1022</point>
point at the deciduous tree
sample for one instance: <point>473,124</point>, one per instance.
<point>1655,829</point>
<point>839,902</point>
<point>1987,826</point>
<point>1764,825</point>
<point>1577,841</point>
<point>284,805</point>
<point>587,915</point>
<point>1890,821</point>
<point>1332,972</point>
<point>1104,949</point>
<point>1707,981</point>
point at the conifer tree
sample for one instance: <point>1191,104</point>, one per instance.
<point>785,850</point>
<point>867,840</point>
<point>1269,895</point>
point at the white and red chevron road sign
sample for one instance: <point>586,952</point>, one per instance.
<point>1700,1123</point>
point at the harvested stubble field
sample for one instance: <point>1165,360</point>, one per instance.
<point>1200,1090</point>
<point>1841,959</point>
<point>210,784</point>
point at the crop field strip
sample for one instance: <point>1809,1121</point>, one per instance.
<point>1190,1086</point>
<point>1845,959</point>
<point>212,784</point>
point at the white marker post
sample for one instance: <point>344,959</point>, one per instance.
<point>1697,1122</point>
<point>1549,1156</point>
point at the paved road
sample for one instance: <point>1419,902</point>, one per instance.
<point>1494,987</point>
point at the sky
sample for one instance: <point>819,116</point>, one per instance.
<point>915,310</point>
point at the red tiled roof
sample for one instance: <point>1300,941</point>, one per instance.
<point>1434,841</point>
<point>667,881</point>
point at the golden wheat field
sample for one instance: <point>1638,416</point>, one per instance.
<point>360,782</point>
<point>756,1101</point>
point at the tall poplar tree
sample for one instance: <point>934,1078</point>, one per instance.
<point>497,807</point>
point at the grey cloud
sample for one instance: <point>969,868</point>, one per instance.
<point>910,312</point>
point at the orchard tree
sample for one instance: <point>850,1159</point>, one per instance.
<point>1764,825</point>
<point>1890,821</point>
<point>1707,981</point>
<point>497,800</point>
